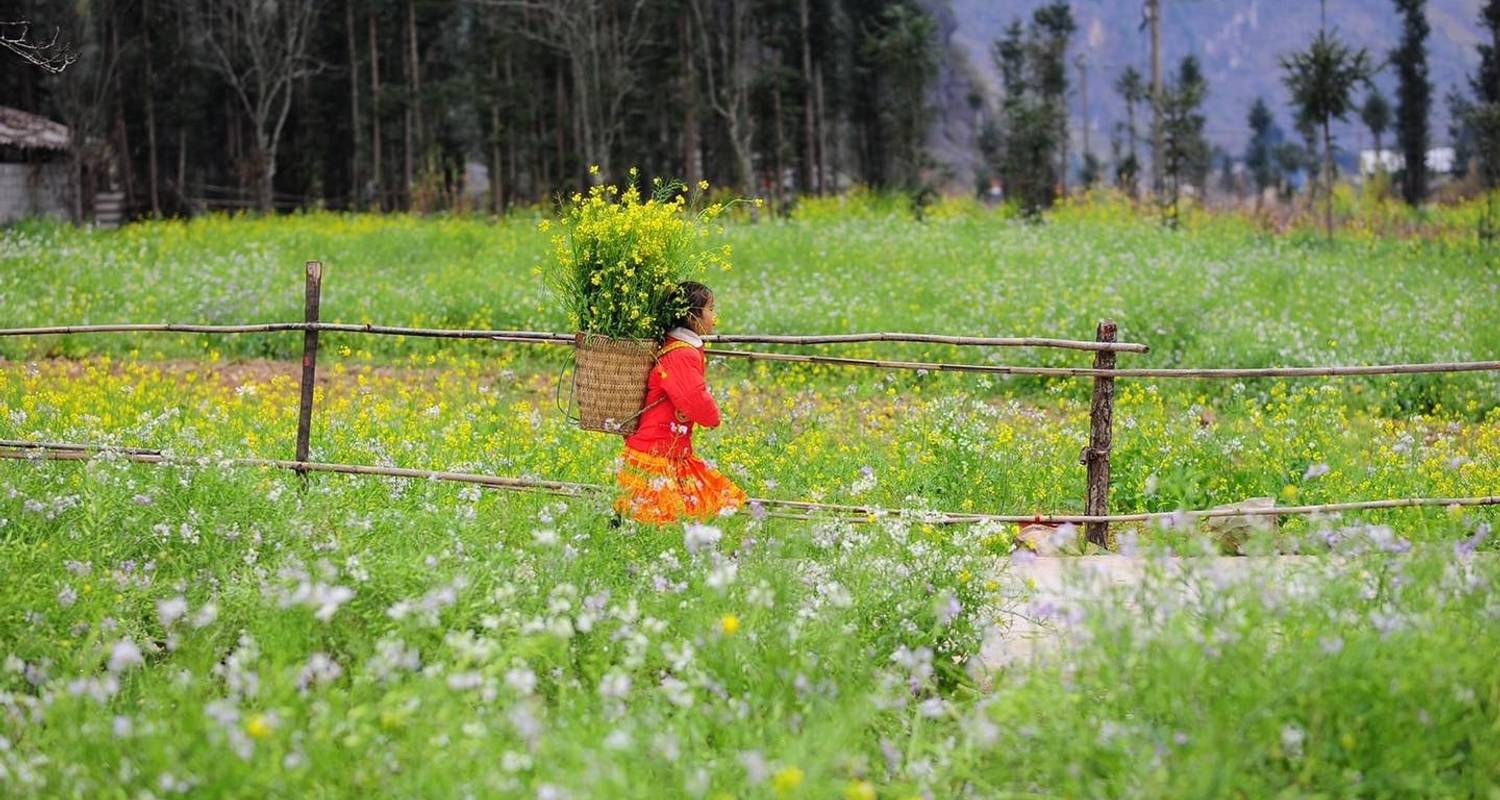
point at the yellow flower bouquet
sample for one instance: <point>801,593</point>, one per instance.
<point>619,257</point>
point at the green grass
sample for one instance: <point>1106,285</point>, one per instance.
<point>501,644</point>
<point>1220,294</point>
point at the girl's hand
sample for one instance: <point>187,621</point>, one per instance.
<point>680,417</point>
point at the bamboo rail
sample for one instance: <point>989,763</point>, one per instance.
<point>1095,455</point>
<point>64,451</point>
<point>567,338</point>
<point>545,337</point>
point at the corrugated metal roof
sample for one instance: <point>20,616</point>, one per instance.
<point>23,129</point>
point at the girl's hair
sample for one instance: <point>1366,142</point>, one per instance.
<point>697,296</point>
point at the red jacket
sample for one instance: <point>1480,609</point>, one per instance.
<point>677,380</point>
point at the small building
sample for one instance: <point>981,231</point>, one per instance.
<point>1439,161</point>
<point>1388,160</point>
<point>34,178</point>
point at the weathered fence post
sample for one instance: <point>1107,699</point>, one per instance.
<point>309,360</point>
<point>1101,420</point>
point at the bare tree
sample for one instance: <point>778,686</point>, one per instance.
<point>602,40</point>
<point>260,49</point>
<point>50,56</point>
<point>727,73</point>
<point>1158,138</point>
<point>810,171</point>
<point>82,97</point>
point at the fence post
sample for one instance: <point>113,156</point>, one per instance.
<point>1101,434</point>
<point>309,360</point>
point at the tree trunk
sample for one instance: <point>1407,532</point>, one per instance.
<point>539,154</point>
<point>1083,102</point>
<point>375,145</point>
<point>809,151</point>
<point>497,193</point>
<point>232,145</point>
<point>779,165</point>
<point>408,125</point>
<point>561,103</point>
<point>583,101</point>
<point>416,77</point>
<point>265,154</point>
<point>826,173</point>
<point>76,160</point>
<point>123,164</point>
<point>151,168</point>
<point>1327,181</point>
<point>691,149</point>
<point>182,166</point>
<point>356,180</point>
<point>1158,144</point>
<point>407,158</point>
<point>510,141</point>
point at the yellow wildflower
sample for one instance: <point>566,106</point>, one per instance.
<point>859,790</point>
<point>786,780</point>
<point>258,726</point>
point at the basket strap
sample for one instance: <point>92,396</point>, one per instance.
<point>675,344</point>
<point>566,408</point>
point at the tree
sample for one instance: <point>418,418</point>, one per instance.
<point>1260,155</point>
<point>1127,166</point>
<point>1026,143</point>
<point>1376,114</point>
<point>1321,80</point>
<point>1033,76</point>
<point>1312,160</point>
<point>1461,129</point>
<point>1486,80</point>
<point>1052,26</point>
<point>1186,153</point>
<point>1484,118</point>
<point>82,95</point>
<point>727,46</point>
<point>260,49</point>
<point>1089,174</point>
<point>902,45</point>
<point>602,42</point>
<point>1413,97</point>
<point>1158,134</point>
<point>50,56</point>
<point>1228,182</point>
<point>1290,159</point>
<point>1132,89</point>
<point>811,173</point>
<point>832,92</point>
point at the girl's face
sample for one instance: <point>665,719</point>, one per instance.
<point>704,321</point>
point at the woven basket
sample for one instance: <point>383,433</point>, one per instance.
<point>609,381</point>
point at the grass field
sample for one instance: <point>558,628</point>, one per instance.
<point>212,631</point>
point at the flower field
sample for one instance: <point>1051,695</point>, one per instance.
<point>206,630</point>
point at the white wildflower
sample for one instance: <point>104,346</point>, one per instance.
<point>123,655</point>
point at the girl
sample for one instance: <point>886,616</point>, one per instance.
<point>660,478</point>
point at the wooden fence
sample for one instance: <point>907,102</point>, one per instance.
<point>1094,456</point>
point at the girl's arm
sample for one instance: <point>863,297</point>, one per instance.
<point>682,379</point>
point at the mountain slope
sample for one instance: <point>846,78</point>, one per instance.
<point>1238,42</point>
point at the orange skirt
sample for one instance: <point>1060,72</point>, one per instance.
<point>660,489</point>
